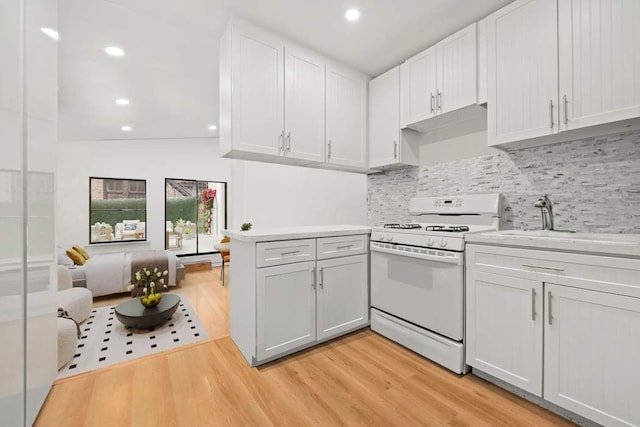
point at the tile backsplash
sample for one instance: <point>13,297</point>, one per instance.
<point>594,184</point>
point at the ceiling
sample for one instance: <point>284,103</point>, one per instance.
<point>170,69</point>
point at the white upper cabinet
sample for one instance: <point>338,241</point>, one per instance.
<point>346,113</point>
<point>257,100</point>
<point>440,79</point>
<point>418,86</point>
<point>457,74</point>
<point>522,67</point>
<point>275,96</point>
<point>384,118</point>
<point>599,61</point>
<point>304,105</point>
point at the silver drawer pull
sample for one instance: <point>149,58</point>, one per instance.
<point>344,247</point>
<point>549,296</point>
<point>289,253</point>
<point>544,267</point>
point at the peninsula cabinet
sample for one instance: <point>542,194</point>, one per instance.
<point>562,326</point>
<point>273,102</point>
<point>291,294</point>
<point>388,144</point>
<point>560,70</point>
<point>439,80</point>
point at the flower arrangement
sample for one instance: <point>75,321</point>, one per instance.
<point>148,284</point>
<point>207,197</point>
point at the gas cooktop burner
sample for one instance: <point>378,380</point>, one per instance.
<point>403,226</point>
<point>447,228</point>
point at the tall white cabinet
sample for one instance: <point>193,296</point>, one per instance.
<point>296,289</point>
<point>282,103</point>
<point>28,131</point>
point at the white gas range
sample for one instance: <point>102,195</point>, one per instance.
<point>417,274</point>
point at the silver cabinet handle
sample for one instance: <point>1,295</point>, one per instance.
<point>439,100</point>
<point>289,253</point>
<point>566,109</point>
<point>329,151</point>
<point>313,278</point>
<point>344,247</point>
<point>281,142</point>
<point>549,306</point>
<point>395,150</point>
<point>533,304</point>
<point>431,103</point>
<point>321,277</point>
<point>289,142</point>
<point>551,113</point>
<point>543,267</point>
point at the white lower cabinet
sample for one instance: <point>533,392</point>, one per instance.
<point>592,347</point>
<point>504,328</point>
<point>534,315</point>
<point>286,307</point>
<point>285,298</point>
<point>343,297</point>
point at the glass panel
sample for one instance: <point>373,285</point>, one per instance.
<point>195,215</point>
<point>118,210</point>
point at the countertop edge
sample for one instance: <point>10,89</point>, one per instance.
<point>292,233</point>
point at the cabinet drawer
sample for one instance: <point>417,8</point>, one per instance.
<point>332,247</point>
<point>285,252</point>
<point>600,273</point>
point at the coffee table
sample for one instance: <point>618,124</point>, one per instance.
<point>133,314</point>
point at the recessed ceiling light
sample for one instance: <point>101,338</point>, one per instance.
<point>126,128</point>
<point>114,51</point>
<point>352,15</point>
<point>51,33</point>
<point>213,127</point>
<point>122,101</point>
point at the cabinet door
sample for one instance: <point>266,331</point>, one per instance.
<point>286,308</point>
<point>304,105</point>
<point>522,71</point>
<point>418,88</point>
<point>592,348</point>
<point>457,75</point>
<point>343,295</point>
<point>257,112</point>
<point>599,61</point>
<point>384,118</point>
<point>346,111</point>
<point>504,328</point>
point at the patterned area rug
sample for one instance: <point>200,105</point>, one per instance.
<point>105,341</point>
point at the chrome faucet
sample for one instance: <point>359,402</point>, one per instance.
<point>544,203</point>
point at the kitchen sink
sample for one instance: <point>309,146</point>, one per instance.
<point>570,235</point>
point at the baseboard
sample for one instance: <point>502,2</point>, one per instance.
<point>197,266</point>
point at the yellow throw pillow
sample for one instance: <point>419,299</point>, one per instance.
<point>76,257</point>
<point>81,251</point>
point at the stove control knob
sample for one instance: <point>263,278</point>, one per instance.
<point>430,241</point>
<point>389,238</point>
<point>443,242</point>
<point>381,237</point>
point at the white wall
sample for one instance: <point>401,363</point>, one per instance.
<point>153,160</point>
<point>261,193</point>
<point>269,195</point>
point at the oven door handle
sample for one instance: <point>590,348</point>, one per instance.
<point>456,259</point>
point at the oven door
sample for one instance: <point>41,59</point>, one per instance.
<point>424,289</point>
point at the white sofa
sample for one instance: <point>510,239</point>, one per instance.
<point>78,303</point>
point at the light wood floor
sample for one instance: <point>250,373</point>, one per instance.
<point>360,379</point>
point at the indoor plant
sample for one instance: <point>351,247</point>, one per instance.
<point>148,283</point>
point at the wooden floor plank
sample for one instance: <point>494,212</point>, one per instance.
<point>362,379</point>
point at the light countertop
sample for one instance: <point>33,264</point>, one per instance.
<point>626,245</point>
<point>301,232</point>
